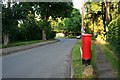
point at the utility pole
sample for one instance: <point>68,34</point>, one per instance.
<point>82,28</point>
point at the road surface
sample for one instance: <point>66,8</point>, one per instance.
<point>49,61</point>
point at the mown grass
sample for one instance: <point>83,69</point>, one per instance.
<point>76,60</point>
<point>22,43</point>
<point>112,57</point>
<point>78,68</point>
<point>0,45</point>
<point>93,55</point>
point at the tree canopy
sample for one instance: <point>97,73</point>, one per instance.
<point>24,18</point>
<point>73,24</point>
<point>102,20</point>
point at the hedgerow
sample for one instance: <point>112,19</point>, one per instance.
<point>113,34</point>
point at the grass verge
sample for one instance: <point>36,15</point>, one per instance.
<point>76,61</point>
<point>111,56</point>
<point>77,66</point>
<point>93,55</point>
<point>23,43</point>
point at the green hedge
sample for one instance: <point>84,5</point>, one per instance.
<point>28,32</point>
<point>113,34</point>
<point>50,35</point>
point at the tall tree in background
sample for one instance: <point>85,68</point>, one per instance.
<point>107,17</point>
<point>91,18</point>
<point>104,15</point>
<point>53,9</point>
<point>96,10</point>
<point>73,24</point>
<point>4,19</point>
<point>25,12</point>
<point>107,12</point>
<point>7,22</point>
<point>11,13</point>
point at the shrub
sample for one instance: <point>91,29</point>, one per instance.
<point>113,34</point>
<point>50,34</point>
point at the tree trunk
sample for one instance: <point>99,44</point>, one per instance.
<point>119,7</point>
<point>43,35</point>
<point>108,12</point>
<point>6,38</point>
<point>104,12</point>
<point>103,15</point>
<point>107,16</point>
<point>43,30</point>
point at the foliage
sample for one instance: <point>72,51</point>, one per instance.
<point>93,18</point>
<point>95,7</point>
<point>53,9</point>
<point>114,10</point>
<point>58,24</point>
<point>7,17</point>
<point>96,17</point>
<point>51,35</point>
<point>12,14</point>
<point>96,21</point>
<point>68,25</point>
<point>73,24</point>
<point>26,29</point>
<point>113,34</point>
<point>26,20</point>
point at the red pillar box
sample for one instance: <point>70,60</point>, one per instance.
<point>86,48</point>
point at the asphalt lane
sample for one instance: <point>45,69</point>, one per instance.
<point>49,61</point>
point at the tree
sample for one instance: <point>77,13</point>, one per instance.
<point>7,22</point>
<point>96,11</point>
<point>22,23</point>
<point>53,9</point>
<point>73,24</point>
<point>12,12</point>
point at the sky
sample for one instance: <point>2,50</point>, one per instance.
<point>77,4</point>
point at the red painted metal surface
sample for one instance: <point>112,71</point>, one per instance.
<point>86,46</point>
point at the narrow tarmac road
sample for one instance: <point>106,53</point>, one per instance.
<point>49,61</point>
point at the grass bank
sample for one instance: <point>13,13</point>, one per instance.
<point>111,56</point>
<point>93,54</point>
<point>23,43</point>
<point>76,61</point>
<point>77,66</point>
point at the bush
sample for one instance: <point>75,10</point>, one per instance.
<point>50,34</point>
<point>113,34</point>
<point>26,33</point>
